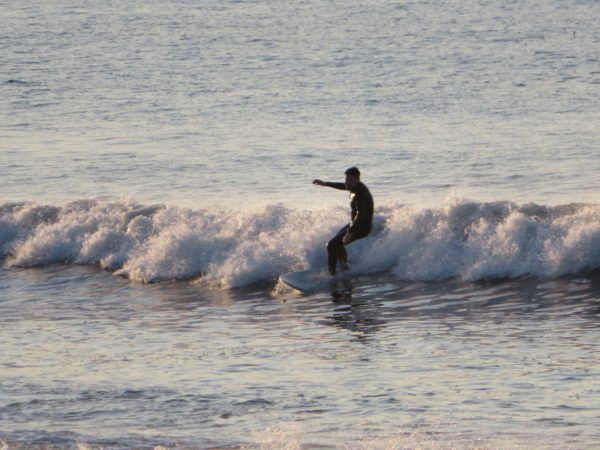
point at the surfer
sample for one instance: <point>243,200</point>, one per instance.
<point>361,204</point>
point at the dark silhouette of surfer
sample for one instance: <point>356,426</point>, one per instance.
<point>361,204</point>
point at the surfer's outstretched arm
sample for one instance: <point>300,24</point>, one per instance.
<point>341,186</point>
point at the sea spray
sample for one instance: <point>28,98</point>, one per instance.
<point>229,248</point>
<point>473,241</point>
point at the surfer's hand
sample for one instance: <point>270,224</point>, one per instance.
<point>347,238</point>
<point>318,183</point>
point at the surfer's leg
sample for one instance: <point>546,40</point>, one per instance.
<point>335,250</point>
<point>331,258</point>
<point>342,255</point>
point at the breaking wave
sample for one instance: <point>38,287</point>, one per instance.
<point>229,248</point>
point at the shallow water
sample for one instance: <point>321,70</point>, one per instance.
<point>93,359</point>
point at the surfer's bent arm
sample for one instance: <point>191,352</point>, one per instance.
<point>358,223</point>
<point>362,216</point>
<point>340,186</point>
<point>361,221</point>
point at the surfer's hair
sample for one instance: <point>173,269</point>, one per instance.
<point>353,171</point>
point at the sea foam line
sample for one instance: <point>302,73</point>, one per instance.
<point>460,239</point>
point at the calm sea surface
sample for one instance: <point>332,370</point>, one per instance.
<point>156,161</point>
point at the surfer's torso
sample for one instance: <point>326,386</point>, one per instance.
<point>361,208</point>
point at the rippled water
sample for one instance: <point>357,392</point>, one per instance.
<point>92,359</point>
<point>237,102</point>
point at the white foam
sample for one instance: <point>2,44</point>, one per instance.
<point>475,241</point>
<point>468,240</point>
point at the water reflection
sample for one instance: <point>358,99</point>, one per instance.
<point>360,314</point>
<point>362,303</point>
<point>367,305</point>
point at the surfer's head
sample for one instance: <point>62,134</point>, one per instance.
<point>352,178</point>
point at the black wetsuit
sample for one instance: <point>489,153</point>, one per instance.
<point>361,203</point>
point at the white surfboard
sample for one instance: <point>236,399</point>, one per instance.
<point>306,280</point>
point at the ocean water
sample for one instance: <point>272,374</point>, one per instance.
<point>156,162</point>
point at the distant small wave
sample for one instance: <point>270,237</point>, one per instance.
<point>229,248</point>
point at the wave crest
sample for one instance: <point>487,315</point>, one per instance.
<point>461,239</point>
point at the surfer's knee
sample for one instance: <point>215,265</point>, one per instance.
<point>332,244</point>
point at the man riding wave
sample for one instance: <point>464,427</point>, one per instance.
<point>361,204</point>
